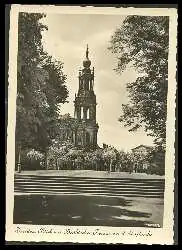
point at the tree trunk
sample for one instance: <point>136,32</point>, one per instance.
<point>57,164</point>
<point>19,159</point>
<point>46,161</point>
<point>110,166</point>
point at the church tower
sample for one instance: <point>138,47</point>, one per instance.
<point>85,136</point>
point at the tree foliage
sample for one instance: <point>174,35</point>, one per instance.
<point>66,126</point>
<point>40,86</point>
<point>143,42</point>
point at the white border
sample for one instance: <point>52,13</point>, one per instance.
<point>58,234</point>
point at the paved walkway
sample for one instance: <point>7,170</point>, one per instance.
<point>90,173</point>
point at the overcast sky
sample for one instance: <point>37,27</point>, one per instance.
<point>66,40</point>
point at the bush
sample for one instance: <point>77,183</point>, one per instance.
<point>31,159</point>
<point>157,169</point>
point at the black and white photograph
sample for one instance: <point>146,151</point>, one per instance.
<point>91,131</point>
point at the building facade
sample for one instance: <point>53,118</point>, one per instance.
<point>85,133</point>
<point>142,163</point>
<point>142,150</point>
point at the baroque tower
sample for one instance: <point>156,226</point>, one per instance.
<point>85,136</point>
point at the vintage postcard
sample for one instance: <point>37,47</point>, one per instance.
<point>91,125</point>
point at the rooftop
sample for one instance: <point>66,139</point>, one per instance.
<point>143,146</point>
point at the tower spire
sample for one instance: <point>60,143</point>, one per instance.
<point>87,51</point>
<point>85,134</point>
<point>86,61</point>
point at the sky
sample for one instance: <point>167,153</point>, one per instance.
<point>66,40</point>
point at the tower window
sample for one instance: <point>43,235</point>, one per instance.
<point>87,114</point>
<point>82,113</point>
<point>88,138</point>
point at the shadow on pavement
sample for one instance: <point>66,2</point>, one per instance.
<point>77,211</point>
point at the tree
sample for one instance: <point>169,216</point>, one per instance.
<point>58,153</point>
<point>94,158</point>
<point>67,125</point>
<point>157,161</point>
<point>122,160</point>
<point>109,155</point>
<point>35,159</point>
<point>40,86</point>
<point>29,49</point>
<point>142,41</point>
<point>138,160</point>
